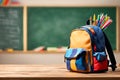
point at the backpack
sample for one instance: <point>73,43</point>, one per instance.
<point>87,51</point>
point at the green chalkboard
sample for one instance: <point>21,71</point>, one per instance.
<point>11,25</point>
<point>51,26</point>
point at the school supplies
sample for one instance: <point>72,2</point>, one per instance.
<point>102,21</point>
<point>89,21</point>
<point>87,52</point>
<point>106,24</point>
<point>94,19</point>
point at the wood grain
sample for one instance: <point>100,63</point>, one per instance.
<point>47,71</point>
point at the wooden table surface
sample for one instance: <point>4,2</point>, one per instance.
<point>45,72</point>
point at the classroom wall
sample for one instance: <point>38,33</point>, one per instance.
<point>35,58</point>
<point>72,2</point>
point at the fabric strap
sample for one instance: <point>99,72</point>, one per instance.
<point>110,53</point>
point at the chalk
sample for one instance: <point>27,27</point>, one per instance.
<point>62,49</point>
<point>52,49</point>
<point>39,49</point>
<point>1,50</point>
<point>10,50</point>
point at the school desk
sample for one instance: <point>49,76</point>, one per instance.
<point>51,72</point>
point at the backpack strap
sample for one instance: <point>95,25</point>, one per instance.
<point>110,53</point>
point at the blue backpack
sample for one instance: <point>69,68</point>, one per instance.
<point>87,51</point>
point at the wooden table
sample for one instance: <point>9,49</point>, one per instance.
<point>50,72</point>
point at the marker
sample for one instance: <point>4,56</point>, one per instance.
<point>102,19</point>
<point>98,24</point>
<point>106,17</point>
<point>101,15</point>
<point>107,24</point>
<point>90,20</point>
<point>94,19</point>
<point>97,19</point>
